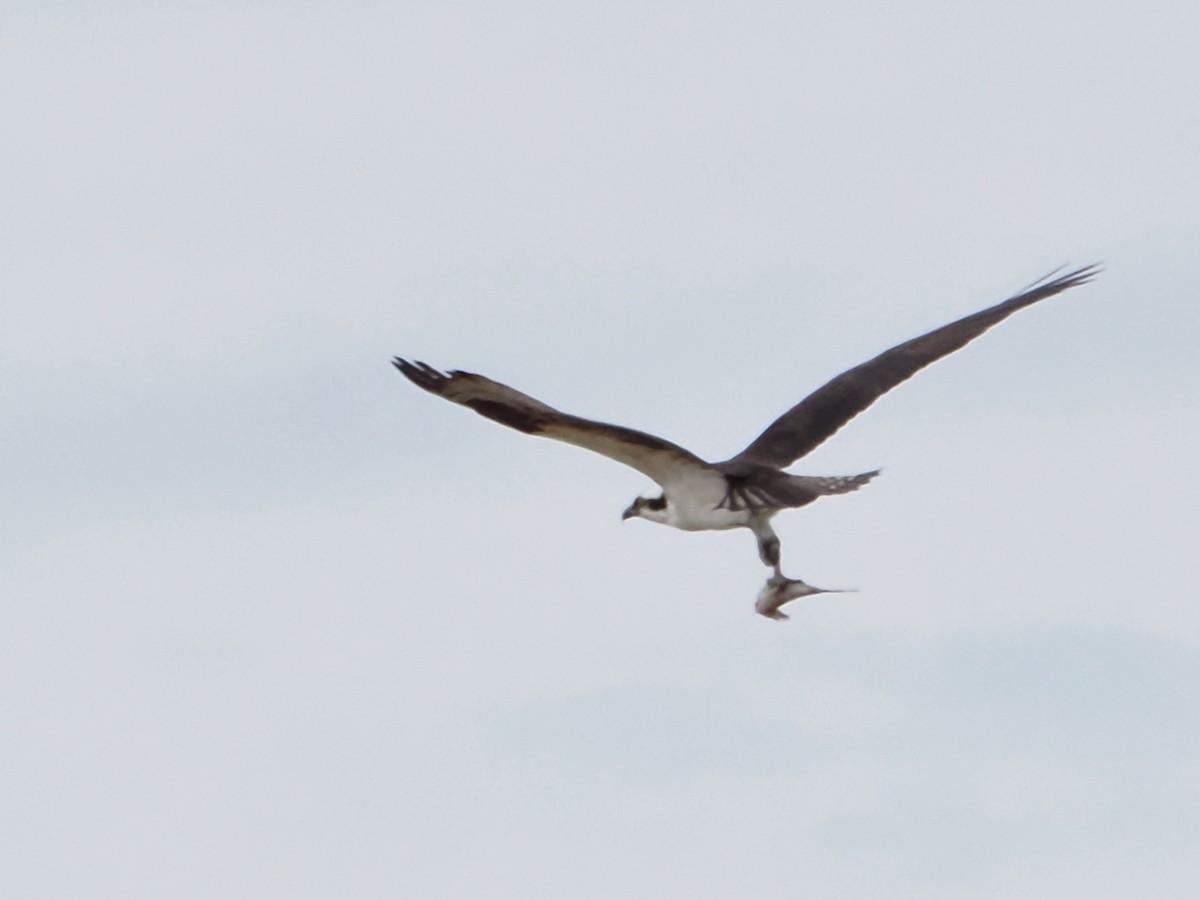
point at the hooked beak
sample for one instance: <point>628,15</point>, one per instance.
<point>629,513</point>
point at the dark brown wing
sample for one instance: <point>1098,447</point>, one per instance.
<point>652,456</point>
<point>818,416</point>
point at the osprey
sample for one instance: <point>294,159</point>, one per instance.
<point>747,490</point>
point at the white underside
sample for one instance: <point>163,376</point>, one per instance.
<point>694,504</point>
<point>692,516</point>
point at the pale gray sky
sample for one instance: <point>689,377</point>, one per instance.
<point>277,624</point>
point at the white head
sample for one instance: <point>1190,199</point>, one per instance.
<point>652,508</point>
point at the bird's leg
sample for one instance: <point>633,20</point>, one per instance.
<point>779,589</point>
<point>768,543</point>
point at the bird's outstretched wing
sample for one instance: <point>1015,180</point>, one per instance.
<point>819,415</point>
<point>661,460</point>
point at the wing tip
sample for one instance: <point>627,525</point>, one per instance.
<point>1074,278</point>
<point>421,374</point>
<point>1084,274</point>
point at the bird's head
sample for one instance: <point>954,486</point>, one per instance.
<point>652,508</point>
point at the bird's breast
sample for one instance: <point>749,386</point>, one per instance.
<point>692,516</point>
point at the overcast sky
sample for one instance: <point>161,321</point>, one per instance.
<point>278,624</point>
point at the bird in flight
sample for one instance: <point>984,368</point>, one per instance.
<point>749,489</point>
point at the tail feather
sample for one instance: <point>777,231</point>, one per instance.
<point>769,489</point>
<point>834,484</point>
